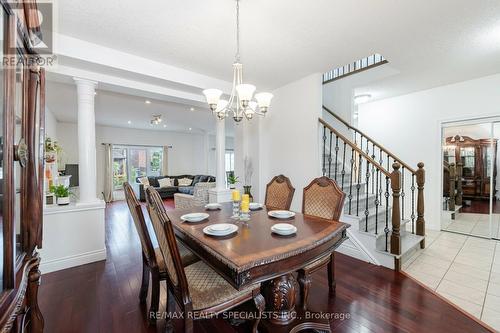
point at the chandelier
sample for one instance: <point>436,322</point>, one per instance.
<point>240,103</point>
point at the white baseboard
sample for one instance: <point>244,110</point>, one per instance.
<point>72,261</point>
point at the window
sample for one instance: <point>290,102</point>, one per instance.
<point>132,162</point>
<point>229,160</point>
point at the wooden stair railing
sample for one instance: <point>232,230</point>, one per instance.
<point>369,174</point>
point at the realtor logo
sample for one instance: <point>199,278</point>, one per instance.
<point>39,22</point>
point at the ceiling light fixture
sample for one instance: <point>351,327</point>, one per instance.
<point>147,102</point>
<point>362,98</point>
<point>165,125</point>
<point>190,128</point>
<point>191,109</point>
<point>129,122</point>
<point>240,103</point>
<point>156,119</point>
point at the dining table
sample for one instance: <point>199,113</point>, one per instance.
<point>255,254</point>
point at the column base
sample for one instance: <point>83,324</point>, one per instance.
<point>216,195</point>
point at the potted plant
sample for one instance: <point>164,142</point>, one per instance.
<point>232,180</point>
<point>62,194</point>
<point>52,149</point>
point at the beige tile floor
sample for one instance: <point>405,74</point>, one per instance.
<point>473,224</point>
<point>464,269</point>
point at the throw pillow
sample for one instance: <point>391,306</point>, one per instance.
<point>185,182</point>
<point>165,182</point>
<point>144,181</point>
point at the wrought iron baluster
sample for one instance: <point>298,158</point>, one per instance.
<point>381,161</point>
<point>330,157</point>
<point>386,229</point>
<point>343,165</point>
<point>412,203</point>
<point>377,202</point>
<point>358,185</point>
<point>373,169</point>
<point>324,150</point>
<point>350,181</point>
<point>336,154</point>
<point>367,212</point>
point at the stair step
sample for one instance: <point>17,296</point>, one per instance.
<point>408,242</point>
<point>362,203</point>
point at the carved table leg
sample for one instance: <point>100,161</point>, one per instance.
<point>280,296</point>
<point>36,318</point>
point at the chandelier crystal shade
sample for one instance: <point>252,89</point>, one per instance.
<point>241,102</point>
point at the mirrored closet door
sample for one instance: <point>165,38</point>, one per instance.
<point>470,185</point>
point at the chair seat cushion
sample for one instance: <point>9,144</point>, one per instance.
<point>318,263</point>
<point>187,257</point>
<point>207,288</point>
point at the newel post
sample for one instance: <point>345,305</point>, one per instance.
<point>420,203</point>
<point>396,210</point>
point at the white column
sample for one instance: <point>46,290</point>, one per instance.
<point>220,154</point>
<point>220,193</point>
<point>86,141</point>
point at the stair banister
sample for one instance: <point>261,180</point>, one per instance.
<point>394,157</point>
<point>356,148</point>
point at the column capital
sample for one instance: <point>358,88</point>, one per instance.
<point>86,82</point>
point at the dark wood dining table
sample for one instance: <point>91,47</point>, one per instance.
<point>254,254</point>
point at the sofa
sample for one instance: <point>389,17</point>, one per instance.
<point>169,191</point>
<point>198,198</point>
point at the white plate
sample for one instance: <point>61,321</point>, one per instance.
<point>284,232</point>
<point>254,205</point>
<point>213,206</point>
<point>232,228</point>
<point>194,217</point>
<point>220,227</point>
<point>283,226</point>
<point>281,214</point>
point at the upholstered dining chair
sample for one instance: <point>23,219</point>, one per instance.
<point>199,291</point>
<point>152,259</point>
<point>321,198</point>
<point>279,193</point>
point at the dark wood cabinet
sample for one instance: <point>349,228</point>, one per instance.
<point>478,158</point>
<point>21,179</point>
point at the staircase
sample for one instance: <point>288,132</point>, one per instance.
<point>384,196</point>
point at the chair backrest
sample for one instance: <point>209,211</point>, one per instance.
<point>167,242</point>
<point>279,193</point>
<point>323,198</point>
<point>140,224</point>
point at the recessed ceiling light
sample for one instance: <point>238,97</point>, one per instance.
<point>190,128</point>
<point>95,93</point>
<point>148,102</point>
<point>129,122</point>
<point>191,109</point>
<point>362,98</point>
<point>164,125</point>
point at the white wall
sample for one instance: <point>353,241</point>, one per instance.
<point>410,126</point>
<point>50,124</point>
<point>187,155</point>
<point>289,136</point>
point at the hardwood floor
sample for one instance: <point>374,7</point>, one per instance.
<point>103,296</point>
<point>481,207</point>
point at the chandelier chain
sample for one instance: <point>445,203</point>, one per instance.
<point>238,57</point>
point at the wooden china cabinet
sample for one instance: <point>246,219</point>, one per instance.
<point>21,169</point>
<point>478,158</point>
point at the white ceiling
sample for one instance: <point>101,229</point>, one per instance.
<point>115,109</point>
<point>430,43</point>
